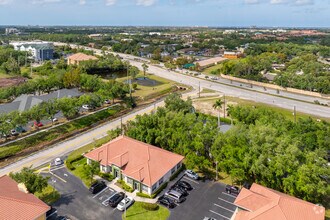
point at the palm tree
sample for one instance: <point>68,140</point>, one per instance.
<point>218,105</point>
<point>145,69</point>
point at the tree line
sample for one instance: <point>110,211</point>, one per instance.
<point>263,146</point>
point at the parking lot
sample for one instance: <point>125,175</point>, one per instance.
<point>207,199</point>
<point>76,201</point>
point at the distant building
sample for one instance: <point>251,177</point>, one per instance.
<point>142,166</point>
<point>40,50</point>
<point>210,62</point>
<point>11,31</point>
<point>17,203</point>
<point>259,203</point>
<point>96,36</point>
<point>75,59</point>
<point>232,54</point>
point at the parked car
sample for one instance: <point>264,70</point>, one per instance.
<point>191,174</point>
<point>20,129</point>
<point>58,161</point>
<point>13,132</point>
<point>176,196</point>
<point>51,212</point>
<point>116,199</point>
<point>166,201</point>
<point>180,190</point>
<point>38,124</point>
<point>107,101</point>
<point>232,189</point>
<point>208,218</point>
<point>97,187</point>
<point>184,184</point>
<point>125,203</point>
<point>87,107</point>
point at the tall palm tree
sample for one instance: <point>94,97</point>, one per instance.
<point>218,105</point>
<point>145,69</point>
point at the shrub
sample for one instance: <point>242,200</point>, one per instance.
<point>143,195</point>
<point>107,176</point>
<point>159,190</point>
<point>150,206</point>
<point>124,186</point>
<point>71,160</point>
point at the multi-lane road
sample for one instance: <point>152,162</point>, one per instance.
<point>287,100</point>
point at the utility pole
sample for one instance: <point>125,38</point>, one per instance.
<point>121,125</point>
<point>199,89</point>
<point>216,170</point>
<point>294,114</point>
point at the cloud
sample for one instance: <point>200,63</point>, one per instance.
<point>110,2</point>
<point>82,2</point>
<point>145,2</point>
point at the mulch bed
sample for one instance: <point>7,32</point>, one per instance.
<point>12,81</point>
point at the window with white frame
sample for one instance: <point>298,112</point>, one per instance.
<point>145,188</point>
<point>161,180</point>
<point>154,187</point>
<point>129,181</point>
<point>172,170</point>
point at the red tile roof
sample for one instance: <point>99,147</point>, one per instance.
<point>138,160</point>
<point>264,203</point>
<point>81,57</point>
<point>15,204</point>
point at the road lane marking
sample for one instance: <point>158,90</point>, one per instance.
<point>187,178</point>
<point>229,195</point>
<point>57,168</point>
<point>219,214</point>
<point>223,207</point>
<point>100,192</point>
<point>57,176</point>
<point>226,201</point>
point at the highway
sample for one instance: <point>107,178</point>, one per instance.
<point>287,100</point>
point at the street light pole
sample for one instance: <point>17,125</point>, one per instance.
<point>216,170</point>
<point>294,114</point>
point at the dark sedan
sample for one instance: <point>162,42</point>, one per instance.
<point>115,199</point>
<point>166,201</point>
<point>185,185</point>
<point>232,190</point>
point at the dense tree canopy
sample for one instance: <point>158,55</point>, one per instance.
<point>263,146</point>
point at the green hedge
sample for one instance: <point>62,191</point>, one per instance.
<point>124,186</point>
<point>71,160</point>
<point>150,206</point>
<point>143,195</point>
<point>159,190</point>
<point>107,176</point>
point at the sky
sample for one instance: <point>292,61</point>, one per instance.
<point>219,13</point>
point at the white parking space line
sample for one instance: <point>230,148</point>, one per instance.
<point>187,178</point>
<point>226,201</point>
<point>58,177</point>
<point>57,168</point>
<point>223,207</point>
<point>219,214</point>
<point>229,195</point>
<point>111,190</point>
<point>100,192</point>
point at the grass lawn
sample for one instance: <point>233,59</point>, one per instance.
<point>212,68</point>
<point>149,91</point>
<point>137,212</point>
<point>48,195</point>
<point>287,113</point>
<point>205,90</point>
<point>4,75</point>
<point>79,171</point>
